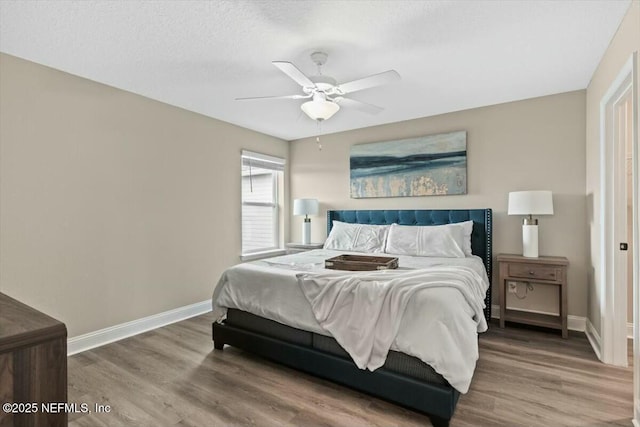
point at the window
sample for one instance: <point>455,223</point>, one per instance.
<point>262,178</point>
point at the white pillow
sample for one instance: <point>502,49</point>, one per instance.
<point>446,241</point>
<point>467,229</point>
<point>357,237</point>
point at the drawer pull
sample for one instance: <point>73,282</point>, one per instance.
<point>531,272</point>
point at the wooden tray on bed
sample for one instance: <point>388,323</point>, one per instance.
<point>361,263</point>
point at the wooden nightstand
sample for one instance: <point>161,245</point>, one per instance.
<point>294,248</point>
<point>544,270</point>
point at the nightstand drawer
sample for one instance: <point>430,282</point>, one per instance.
<point>533,271</point>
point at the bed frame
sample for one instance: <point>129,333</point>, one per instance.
<point>438,401</point>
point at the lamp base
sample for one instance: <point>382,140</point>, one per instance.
<point>530,241</point>
<point>306,231</point>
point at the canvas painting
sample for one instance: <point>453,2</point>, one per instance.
<point>424,166</point>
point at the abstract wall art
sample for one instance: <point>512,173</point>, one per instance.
<point>424,166</point>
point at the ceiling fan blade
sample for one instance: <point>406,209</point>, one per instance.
<point>275,97</point>
<point>367,82</point>
<point>358,105</point>
<point>292,71</point>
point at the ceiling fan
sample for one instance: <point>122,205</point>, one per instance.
<point>325,95</point>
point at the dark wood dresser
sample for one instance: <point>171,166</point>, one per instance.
<point>33,365</point>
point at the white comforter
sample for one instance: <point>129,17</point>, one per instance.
<point>436,323</point>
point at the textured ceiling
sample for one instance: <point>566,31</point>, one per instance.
<point>200,55</point>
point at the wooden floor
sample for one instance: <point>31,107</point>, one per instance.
<point>173,377</point>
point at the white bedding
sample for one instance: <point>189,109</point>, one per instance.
<point>438,325</point>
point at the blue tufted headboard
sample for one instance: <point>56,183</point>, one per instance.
<point>481,236</point>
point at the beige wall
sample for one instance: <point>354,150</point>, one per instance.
<point>624,43</point>
<point>113,206</point>
<point>536,144</point>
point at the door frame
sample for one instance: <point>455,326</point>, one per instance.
<point>614,284</point>
<point>635,195</point>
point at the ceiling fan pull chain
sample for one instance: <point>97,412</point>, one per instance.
<point>319,133</point>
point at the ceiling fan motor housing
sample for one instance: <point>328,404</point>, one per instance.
<point>324,83</point>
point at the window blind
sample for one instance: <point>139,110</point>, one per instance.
<point>264,161</point>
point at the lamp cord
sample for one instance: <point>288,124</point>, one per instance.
<point>527,288</point>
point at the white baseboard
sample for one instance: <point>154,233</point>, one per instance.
<point>594,339</point>
<point>108,335</point>
<point>574,323</point>
<point>635,423</point>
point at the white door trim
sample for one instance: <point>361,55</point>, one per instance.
<point>635,195</point>
<point>613,284</point>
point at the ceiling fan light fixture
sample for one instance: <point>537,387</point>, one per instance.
<point>320,109</point>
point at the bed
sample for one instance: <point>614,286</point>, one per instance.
<point>404,378</point>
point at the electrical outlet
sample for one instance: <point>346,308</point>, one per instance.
<point>513,287</point>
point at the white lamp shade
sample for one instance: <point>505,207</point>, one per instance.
<point>530,203</point>
<point>319,109</point>
<point>305,206</point>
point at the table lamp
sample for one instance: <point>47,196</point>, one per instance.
<point>530,203</point>
<point>305,207</point>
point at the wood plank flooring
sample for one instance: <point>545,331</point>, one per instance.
<point>172,377</point>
